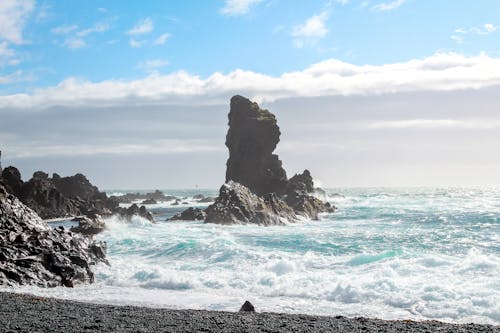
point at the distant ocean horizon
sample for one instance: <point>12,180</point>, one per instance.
<point>418,253</point>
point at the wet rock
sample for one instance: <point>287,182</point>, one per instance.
<point>149,202</point>
<point>190,214</point>
<point>135,210</point>
<point>247,307</point>
<point>206,200</point>
<point>236,204</point>
<point>33,253</point>
<point>89,226</point>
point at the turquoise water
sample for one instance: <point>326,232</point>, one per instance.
<point>388,253</point>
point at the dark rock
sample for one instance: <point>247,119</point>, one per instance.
<point>149,202</point>
<point>41,175</point>
<point>237,204</point>
<point>198,197</point>
<point>252,137</point>
<point>247,307</point>
<point>40,194</point>
<point>33,253</point>
<point>157,196</point>
<point>89,226</point>
<point>206,199</point>
<point>257,189</point>
<point>12,180</point>
<point>190,214</point>
<point>135,210</point>
<point>78,186</point>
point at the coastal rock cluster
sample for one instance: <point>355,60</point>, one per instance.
<point>33,253</point>
<point>257,189</point>
<point>56,196</point>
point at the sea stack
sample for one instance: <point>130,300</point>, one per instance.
<point>251,139</point>
<point>257,189</point>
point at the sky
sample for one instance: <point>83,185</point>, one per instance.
<point>367,92</point>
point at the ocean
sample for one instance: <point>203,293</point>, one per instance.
<point>389,253</point>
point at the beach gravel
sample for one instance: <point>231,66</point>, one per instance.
<point>23,313</point>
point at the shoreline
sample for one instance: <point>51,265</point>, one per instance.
<point>27,313</point>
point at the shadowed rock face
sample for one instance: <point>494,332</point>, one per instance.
<point>33,253</point>
<point>237,204</point>
<point>251,139</point>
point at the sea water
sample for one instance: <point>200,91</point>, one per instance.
<point>420,253</point>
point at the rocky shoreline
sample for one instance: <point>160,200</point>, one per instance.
<point>24,313</point>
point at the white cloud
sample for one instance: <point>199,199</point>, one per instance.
<point>161,147</point>
<point>17,76</point>
<point>13,16</point>
<point>151,65</point>
<point>142,27</point>
<point>460,34</point>
<point>64,29</point>
<point>98,27</point>
<point>74,43</point>
<point>161,40</point>
<point>313,29</point>
<point>434,124</point>
<point>135,43</point>
<point>440,72</point>
<point>238,7</point>
<point>387,6</point>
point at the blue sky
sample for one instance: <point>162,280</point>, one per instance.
<point>398,92</point>
<point>95,40</point>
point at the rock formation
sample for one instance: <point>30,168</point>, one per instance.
<point>190,214</point>
<point>237,204</point>
<point>33,253</point>
<point>257,189</point>
<point>251,139</point>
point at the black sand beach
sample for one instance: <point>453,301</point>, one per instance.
<point>22,313</point>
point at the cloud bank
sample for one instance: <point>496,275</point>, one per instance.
<point>439,72</point>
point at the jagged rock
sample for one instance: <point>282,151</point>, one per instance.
<point>89,226</point>
<point>33,253</point>
<point>190,214</point>
<point>247,307</point>
<point>252,137</point>
<point>237,204</point>
<point>301,182</point>
<point>149,202</point>
<point>206,199</point>
<point>12,180</point>
<point>40,194</point>
<point>198,196</point>
<point>135,210</point>
<point>78,186</point>
<point>157,195</point>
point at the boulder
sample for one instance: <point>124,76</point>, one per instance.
<point>88,226</point>
<point>190,214</point>
<point>247,307</point>
<point>135,210</point>
<point>236,204</point>
<point>149,202</point>
<point>33,253</point>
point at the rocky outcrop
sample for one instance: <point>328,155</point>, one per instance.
<point>190,214</point>
<point>157,196</point>
<point>257,189</point>
<point>134,210</point>
<point>33,253</point>
<point>12,179</point>
<point>237,204</point>
<point>251,139</point>
<point>89,226</point>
